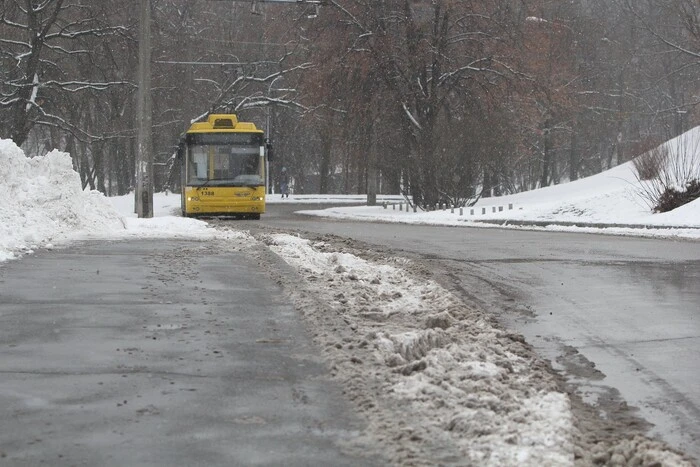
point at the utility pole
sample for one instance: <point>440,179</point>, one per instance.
<point>144,154</point>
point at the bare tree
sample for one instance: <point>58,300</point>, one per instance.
<point>430,55</point>
<point>41,44</point>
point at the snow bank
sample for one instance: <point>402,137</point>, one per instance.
<point>43,203</point>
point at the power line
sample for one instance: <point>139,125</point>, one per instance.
<point>234,41</point>
<point>173,62</point>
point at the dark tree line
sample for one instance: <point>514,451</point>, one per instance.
<point>443,100</point>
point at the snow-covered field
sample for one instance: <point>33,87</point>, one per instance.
<point>436,381</point>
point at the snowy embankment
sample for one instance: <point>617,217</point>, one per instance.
<point>609,202</point>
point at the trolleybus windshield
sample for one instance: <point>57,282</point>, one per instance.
<point>220,163</point>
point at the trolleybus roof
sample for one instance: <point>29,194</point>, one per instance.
<point>223,123</point>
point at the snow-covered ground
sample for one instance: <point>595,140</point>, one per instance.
<point>609,202</point>
<point>435,379</point>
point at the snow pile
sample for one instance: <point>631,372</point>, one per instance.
<point>447,383</point>
<point>43,202</point>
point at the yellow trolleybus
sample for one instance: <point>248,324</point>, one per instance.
<point>223,165</point>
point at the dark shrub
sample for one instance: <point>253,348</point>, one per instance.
<point>672,198</point>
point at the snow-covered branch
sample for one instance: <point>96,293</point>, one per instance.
<point>410,116</point>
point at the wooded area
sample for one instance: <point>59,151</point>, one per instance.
<point>445,100</point>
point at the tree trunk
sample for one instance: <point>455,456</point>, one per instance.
<point>573,157</point>
<point>547,156</point>
<point>324,166</point>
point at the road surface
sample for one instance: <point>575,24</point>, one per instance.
<point>160,353</point>
<point>618,316</point>
<point>151,352</point>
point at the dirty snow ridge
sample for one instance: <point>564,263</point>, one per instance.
<point>464,388</point>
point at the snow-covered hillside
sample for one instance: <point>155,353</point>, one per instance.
<point>611,197</point>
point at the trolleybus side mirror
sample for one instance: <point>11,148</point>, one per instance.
<point>180,150</point>
<point>270,151</point>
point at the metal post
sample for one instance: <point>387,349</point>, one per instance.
<point>144,153</point>
<point>372,179</point>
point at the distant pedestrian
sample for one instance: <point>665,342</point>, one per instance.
<point>284,183</point>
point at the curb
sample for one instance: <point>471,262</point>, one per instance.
<point>595,225</point>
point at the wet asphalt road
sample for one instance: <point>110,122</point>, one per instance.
<point>160,353</point>
<point>619,316</point>
<point>152,353</point>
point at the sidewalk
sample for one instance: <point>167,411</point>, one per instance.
<point>160,353</point>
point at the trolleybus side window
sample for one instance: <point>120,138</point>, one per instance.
<point>199,167</point>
